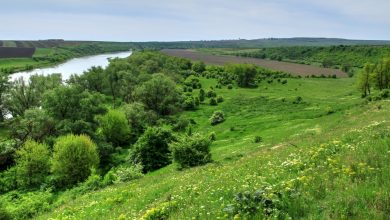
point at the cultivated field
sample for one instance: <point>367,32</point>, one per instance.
<point>293,68</point>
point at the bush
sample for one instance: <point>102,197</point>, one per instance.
<point>73,158</point>
<point>115,128</point>
<point>297,100</point>
<point>160,212</point>
<point>4,215</point>
<point>8,180</point>
<point>211,94</point>
<point>27,205</point>
<point>198,66</point>
<point>220,99</point>
<point>213,101</point>
<point>230,86</point>
<point>257,139</point>
<point>212,136</point>
<point>190,151</point>
<point>151,149</point>
<point>217,117</point>
<point>128,173</point>
<point>32,164</point>
<point>189,103</point>
<point>202,95</point>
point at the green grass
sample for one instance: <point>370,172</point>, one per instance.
<point>43,52</point>
<point>9,43</point>
<point>325,165</point>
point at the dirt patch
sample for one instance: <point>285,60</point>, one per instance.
<point>293,68</point>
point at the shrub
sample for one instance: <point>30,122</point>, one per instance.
<point>198,66</point>
<point>151,149</point>
<point>160,212</point>
<point>4,215</point>
<point>128,173</point>
<point>73,158</point>
<point>189,103</point>
<point>220,99</point>
<point>115,128</point>
<point>32,164</point>
<point>213,101</point>
<point>284,81</point>
<point>257,139</point>
<point>8,180</point>
<point>211,94</point>
<point>217,117</point>
<point>297,100</point>
<point>230,86</point>
<point>27,205</point>
<point>202,95</point>
<point>212,136</point>
<point>190,151</point>
<point>248,204</point>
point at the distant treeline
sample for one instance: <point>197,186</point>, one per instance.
<point>258,43</point>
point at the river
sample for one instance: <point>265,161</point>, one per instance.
<point>73,66</point>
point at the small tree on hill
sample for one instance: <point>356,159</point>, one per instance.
<point>151,149</point>
<point>73,158</point>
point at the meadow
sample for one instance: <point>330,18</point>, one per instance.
<point>314,160</point>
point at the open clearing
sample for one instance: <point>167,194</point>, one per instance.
<point>293,68</point>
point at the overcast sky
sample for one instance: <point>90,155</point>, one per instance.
<point>170,20</point>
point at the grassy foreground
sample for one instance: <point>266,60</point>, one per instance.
<point>325,157</point>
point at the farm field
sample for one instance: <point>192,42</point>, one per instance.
<point>293,68</point>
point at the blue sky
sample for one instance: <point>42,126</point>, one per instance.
<point>171,20</point>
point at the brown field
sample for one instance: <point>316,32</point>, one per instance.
<point>292,68</point>
<point>15,52</point>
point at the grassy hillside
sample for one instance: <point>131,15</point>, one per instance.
<point>326,157</point>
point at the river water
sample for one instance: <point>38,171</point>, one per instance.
<point>73,66</point>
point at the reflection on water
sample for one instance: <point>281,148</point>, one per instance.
<point>73,66</point>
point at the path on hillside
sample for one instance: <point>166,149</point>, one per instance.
<point>293,68</point>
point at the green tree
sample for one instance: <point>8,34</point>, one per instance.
<point>139,118</point>
<point>364,79</point>
<point>74,109</point>
<point>198,67</point>
<point>94,79</point>
<point>151,149</point>
<point>23,94</point>
<point>32,164</point>
<point>159,94</point>
<point>4,84</point>
<point>73,158</point>
<point>382,74</point>
<point>245,74</point>
<point>35,124</point>
<point>115,128</point>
